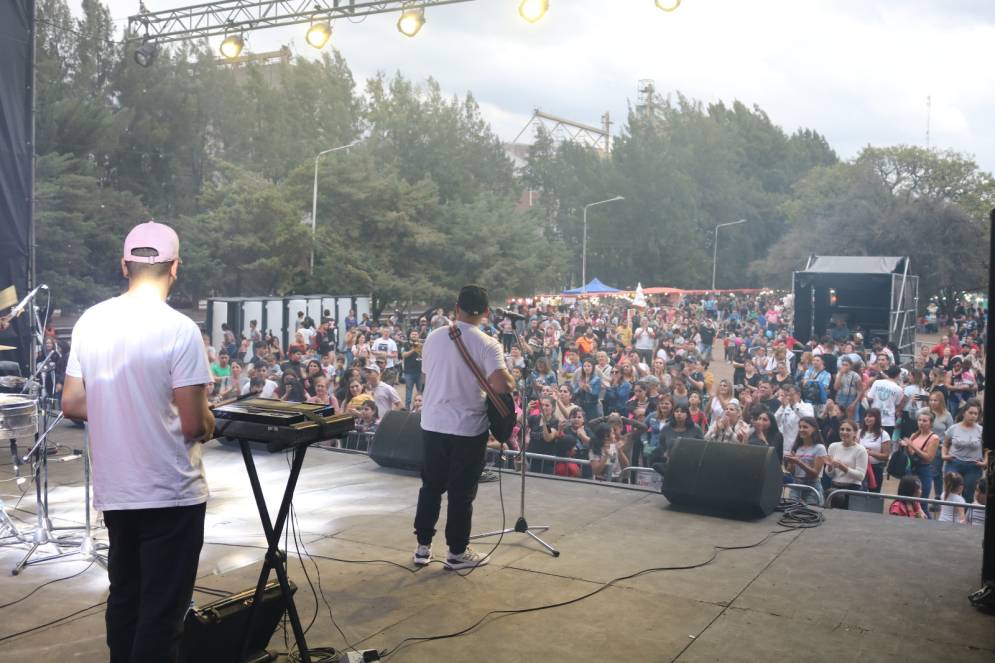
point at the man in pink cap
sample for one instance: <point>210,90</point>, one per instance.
<point>138,374</point>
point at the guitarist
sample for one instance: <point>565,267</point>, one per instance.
<point>455,427</point>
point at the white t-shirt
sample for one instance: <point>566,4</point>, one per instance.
<point>453,401</point>
<point>947,512</point>
<point>308,333</point>
<point>873,442</point>
<point>808,455</point>
<point>387,346</point>
<point>269,389</point>
<point>976,516</point>
<point>885,396</point>
<point>385,396</point>
<point>131,352</point>
<point>644,338</point>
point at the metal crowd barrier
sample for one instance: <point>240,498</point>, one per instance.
<point>804,487</point>
<point>353,442</point>
<point>905,498</point>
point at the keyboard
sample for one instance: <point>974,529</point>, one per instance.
<point>278,424</point>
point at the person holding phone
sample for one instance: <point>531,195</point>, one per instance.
<point>805,461</point>
<point>545,429</point>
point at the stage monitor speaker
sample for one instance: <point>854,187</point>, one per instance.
<point>738,480</point>
<point>213,633</point>
<point>398,442</point>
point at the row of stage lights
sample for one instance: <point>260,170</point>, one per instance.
<point>409,24</point>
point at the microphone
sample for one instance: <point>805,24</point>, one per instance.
<point>508,314</point>
<point>23,304</point>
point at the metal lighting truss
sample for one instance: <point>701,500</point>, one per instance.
<point>238,16</point>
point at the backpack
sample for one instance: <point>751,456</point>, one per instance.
<point>814,391</point>
<point>899,464</point>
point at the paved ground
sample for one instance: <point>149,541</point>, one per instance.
<point>861,587</point>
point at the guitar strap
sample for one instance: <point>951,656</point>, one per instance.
<point>456,334</point>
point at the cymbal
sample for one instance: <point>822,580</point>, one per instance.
<point>7,347</point>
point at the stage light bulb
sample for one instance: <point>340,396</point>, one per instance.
<point>318,34</point>
<point>668,5</point>
<point>533,10</point>
<point>145,54</point>
<point>231,47</point>
<point>411,21</point>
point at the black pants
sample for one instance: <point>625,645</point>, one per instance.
<point>841,501</point>
<point>152,566</point>
<point>452,463</point>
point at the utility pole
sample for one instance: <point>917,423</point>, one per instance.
<point>929,117</point>
<point>715,245</point>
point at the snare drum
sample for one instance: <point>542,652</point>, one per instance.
<point>12,384</point>
<point>18,416</point>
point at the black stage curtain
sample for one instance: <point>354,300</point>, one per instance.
<point>16,165</point>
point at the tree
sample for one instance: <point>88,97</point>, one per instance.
<point>424,134</point>
<point>258,243</point>
<point>80,230</point>
<point>894,202</point>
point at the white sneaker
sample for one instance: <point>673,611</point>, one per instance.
<point>469,559</point>
<point>423,555</point>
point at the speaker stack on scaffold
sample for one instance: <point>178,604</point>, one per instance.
<point>398,442</point>
<point>738,480</point>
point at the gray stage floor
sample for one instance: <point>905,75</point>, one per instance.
<point>860,587</point>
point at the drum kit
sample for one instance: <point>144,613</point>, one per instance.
<point>29,413</point>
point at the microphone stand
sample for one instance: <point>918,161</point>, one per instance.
<point>43,528</point>
<point>521,525</point>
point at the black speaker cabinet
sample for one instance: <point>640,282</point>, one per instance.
<point>398,442</point>
<point>213,633</point>
<point>738,480</point>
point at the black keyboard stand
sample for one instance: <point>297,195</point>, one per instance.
<point>274,560</point>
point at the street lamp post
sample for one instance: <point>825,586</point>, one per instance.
<point>715,245</point>
<point>314,193</point>
<point>583,251</point>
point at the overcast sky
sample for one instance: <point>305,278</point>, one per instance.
<point>857,71</point>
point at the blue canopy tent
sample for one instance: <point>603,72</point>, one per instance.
<point>595,287</point>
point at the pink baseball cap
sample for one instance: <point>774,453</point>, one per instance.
<point>159,241</point>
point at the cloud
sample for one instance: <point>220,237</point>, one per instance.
<point>857,72</point>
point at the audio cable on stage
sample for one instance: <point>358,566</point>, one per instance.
<point>51,623</point>
<point>797,515</point>
<point>46,584</point>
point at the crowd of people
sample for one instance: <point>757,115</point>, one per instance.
<point>614,386</point>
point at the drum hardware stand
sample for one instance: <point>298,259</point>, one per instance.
<point>43,528</point>
<point>8,530</point>
<point>521,525</point>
